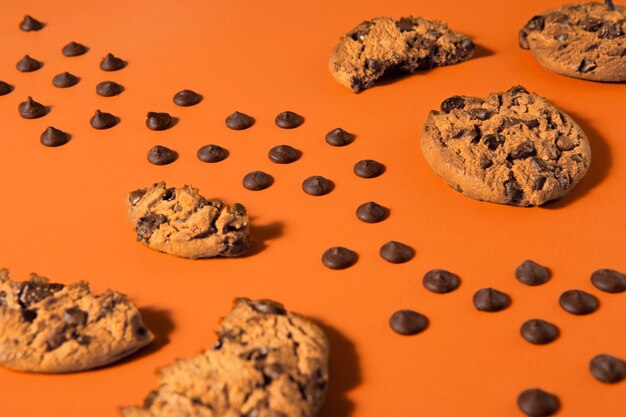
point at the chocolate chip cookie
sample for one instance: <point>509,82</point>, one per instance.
<point>509,148</point>
<point>181,222</point>
<point>584,40</point>
<point>267,363</point>
<point>50,327</point>
<point>384,45</point>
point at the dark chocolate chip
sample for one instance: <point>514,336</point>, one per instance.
<point>440,281</point>
<point>65,80</point>
<point>586,65</point>
<point>339,137</point>
<point>236,247</point>
<point>169,194</point>
<point>531,273</point>
<point>454,102</point>
<point>5,88</point>
<point>539,332</point>
<point>609,280</point>
<point>212,153</point>
<point>28,64</point>
<point>561,37</point>
<point>339,257</point>
<point>268,307</point>
<point>535,23</point>
<point>493,141</point>
<point>578,302</point>
<point>284,154</point>
<point>485,162</point>
<point>29,315</point>
<point>565,143</point>
<point>537,403</point>
<point>137,195</point>
<point>408,322</point>
<point>512,190</point>
<point>239,121</point>
<point>609,5</point>
<point>518,89</point>
<point>607,369</point>
<point>371,212</point>
<point>30,109</point>
<point>159,121</point>
<point>54,137</point>
<point>373,65</point>
<point>109,89</point>
<point>161,155</point>
<point>491,300</point>
<point>479,114</point>
<point>368,168</point>
<point>102,120</point>
<point>74,49</point>
<point>148,224</point>
<point>361,32</point>
<point>33,291</point>
<point>577,157</point>
<point>257,181</point>
<point>539,182</point>
<point>30,24</point>
<point>317,185</point>
<point>611,31</point>
<point>112,63</point>
<point>396,252</point>
<point>523,150</point>
<point>75,317</point>
<point>405,24</point>
<point>591,24</point>
<point>288,120</point>
<point>186,98</point>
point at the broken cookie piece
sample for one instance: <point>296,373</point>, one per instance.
<point>56,328</point>
<point>384,45</point>
<point>181,222</point>
<point>267,362</point>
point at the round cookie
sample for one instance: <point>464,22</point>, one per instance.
<point>510,148</point>
<point>384,45</point>
<point>584,40</point>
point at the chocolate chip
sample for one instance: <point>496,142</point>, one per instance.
<point>518,89</point>
<point>440,281</point>
<point>607,369</point>
<point>169,194</point>
<point>284,154</point>
<point>539,182</point>
<point>30,24</point>
<point>609,280</point>
<point>30,109</point>
<point>454,102</point>
<point>493,141</point>
<point>159,121</point>
<point>485,162</point>
<point>512,190</point>
<point>186,98</point>
<point>535,23</point>
<point>148,224</point>
<point>577,157</point>
<point>54,137</point>
<point>109,89</point>
<point>212,153</point>
<point>268,307</point>
<point>161,155</point>
<point>28,64</point>
<point>586,65</point>
<point>339,257</point>
<point>112,63</point>
<point>371,212</point>
<point>405,24</point>
<point>75,317</point>
<point>578,302</point>
<point>137,195</point>
<point>29,315</point>
<point>368,168</point>
<point>523,150</point>
<point>539,332</point>
<point>408,322</point>
<point>236,247</point>
<point>74,49</point>
<point>5,88</point>
<point>82,339</point>
<point>34,291</point>
<point>591,24</point>
<point>537,403</point>
<point>531,273</point>
<point>491,300</point>
<point>479,114</point>
<point>239,121</point>
<point>65,80</point>
<point>257,181</point>
<point>609,5</point>
<point>561,37</point>
<point>396,252</point>
<point>565,143</point>
<point>361,32</point>
<point>102,120</point>
<point>317,185</point>
<point>288,120</point>
<point>611,31</point>
<point>3,298</point>
<point>339,137</point>
<point>373,65</point>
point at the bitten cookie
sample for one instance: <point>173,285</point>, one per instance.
<point>384,45</point>
<point>584,40</point>
<point>181,222</point>
<point>267,363</point>
<point>49,327</point>
<point>510,148</point>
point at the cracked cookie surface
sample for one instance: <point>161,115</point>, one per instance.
<point>384,45</point>
<point>267,363</point>
<point>56,328</point>
<point>181,222</point>
<point>510,148</point>
<point>584,40</point>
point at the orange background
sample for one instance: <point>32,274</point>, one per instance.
<point>63,211</point>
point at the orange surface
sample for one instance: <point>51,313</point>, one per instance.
<point>63,212</point>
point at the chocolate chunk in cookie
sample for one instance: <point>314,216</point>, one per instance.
<point>384,45</point>
<point>181,222</point>
<point>56,328</point>
<point>513,147</point>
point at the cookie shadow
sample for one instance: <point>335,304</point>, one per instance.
<point>260,234</point>
<point>481,52</point>
<point>598,170</point>
<point>345,373</point>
